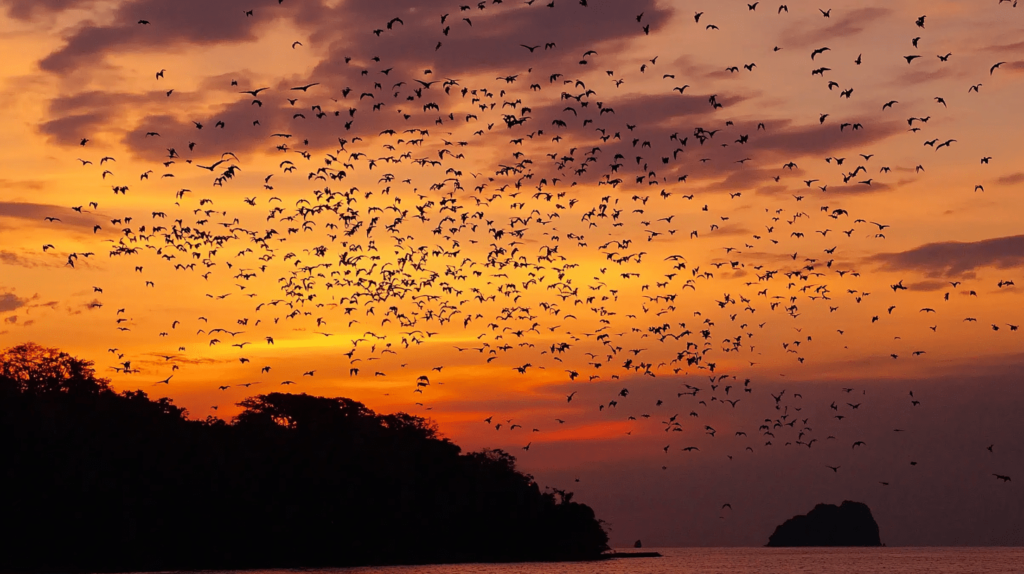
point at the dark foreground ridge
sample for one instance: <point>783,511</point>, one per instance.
<point>849,524</point>
<point>94,480</point>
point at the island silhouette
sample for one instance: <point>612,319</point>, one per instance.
<point>849,524</point>
<point>97,480</point>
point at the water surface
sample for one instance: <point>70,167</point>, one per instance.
<point>746,561</point>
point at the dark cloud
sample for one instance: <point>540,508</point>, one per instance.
<point>916,76</point>
<point>492,42</point>
<point>86,114</point>
<point>780,143</point>
<point>52,305</point>
<point>82,115</point>
<point>93,100</point>
<point>928,285</point>
<point>848,25</point>
<point>182,359</point>
<point>30,185</point>
<point>184,21</point>
<point>10,302</point>
<point>736,181</point>
<point>11,258</point>
<point>1015,48</point>
<point>744,179</point>
<point>238,134</point>
<point>223,82</point>
<point>826,139</point>
<point>1011,179</point>
<point>94,304</point>
<point>37,211</point>
<point>32,260</point>
<point>674,113</point>
<point>301,122</point>
<point>28,9</point>
<point>860,188</point>
<point>69,130</point>
<point>954,258</point>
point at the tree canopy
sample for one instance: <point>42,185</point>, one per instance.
<point>98,480</point>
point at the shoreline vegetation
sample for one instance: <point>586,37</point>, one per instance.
<point>96,480</point>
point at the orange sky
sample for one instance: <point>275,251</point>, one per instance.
<point>495,255</point>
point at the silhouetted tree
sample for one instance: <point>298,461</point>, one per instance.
<point>36,370</point>
<point>97,480</point>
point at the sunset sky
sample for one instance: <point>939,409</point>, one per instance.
<point>617,202</point>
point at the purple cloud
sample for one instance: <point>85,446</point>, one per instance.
<point>954,258</point>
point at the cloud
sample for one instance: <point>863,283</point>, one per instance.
<point>240,135</point>
<point>182,359</point>
<point>278,116</point>
<point>1015,48</point>
<point>22,184</point>
<point>10,258</point>
<point>493,40</point>
<point>928,285</point>
<point>29,260</point>
<point>850,25</point>
<point>37,211</point>
<point>781,143</point>
<point>917,76</point>
<point>490,42</point>
<point>90,101</point>
<point>28,9</point>
<point>860,188</point>
<point>1011,179</point>
<point>668,109</point>
<point>10,302</point>
<point>744,179</point>
<point>69,130</point>
<point>183,21</point>
<point>810,193</point>
<point>52,305</point>
<point>94,304</point>
<point>819,139</point>
<point>954,258</point>
<point>86,114</point>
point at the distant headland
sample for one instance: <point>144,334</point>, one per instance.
<point>96,480</point>
<point>849,524</point>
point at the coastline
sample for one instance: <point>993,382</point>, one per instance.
<point>738,559</point>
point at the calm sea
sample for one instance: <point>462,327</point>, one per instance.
<point>750,561</point>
